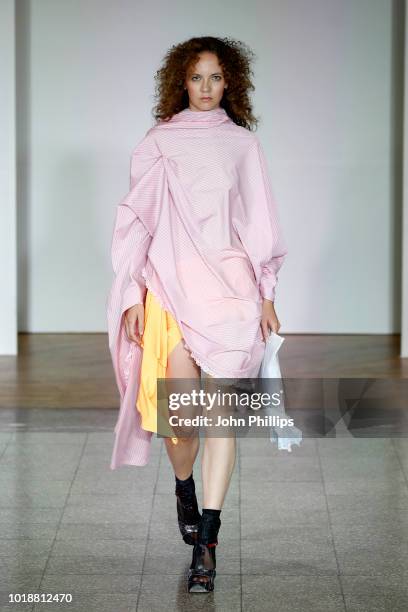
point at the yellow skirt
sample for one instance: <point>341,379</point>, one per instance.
<point>160,336</point>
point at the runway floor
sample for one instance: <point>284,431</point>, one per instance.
<point>322,528</point>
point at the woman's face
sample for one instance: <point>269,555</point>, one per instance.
<point>205,83</point>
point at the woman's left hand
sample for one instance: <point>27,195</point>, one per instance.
<point>269,319</point>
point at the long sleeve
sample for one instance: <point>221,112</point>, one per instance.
<point>257,220</point>
<point>130,245</point>
<point>136,219</point>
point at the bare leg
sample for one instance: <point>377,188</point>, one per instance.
<point>217,464</point>
<point>216,468</point>
<point>183,454</point>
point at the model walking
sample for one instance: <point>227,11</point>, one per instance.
<point>196,251</point>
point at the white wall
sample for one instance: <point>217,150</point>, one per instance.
<point>404,275</point>
<point>324,92</point>
<point>8,241</point>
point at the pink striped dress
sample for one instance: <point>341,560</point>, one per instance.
<point>199,228</point>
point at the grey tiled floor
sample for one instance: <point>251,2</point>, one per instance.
<point>323,528</point>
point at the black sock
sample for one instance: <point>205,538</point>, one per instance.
<point>209,526</point>
<point>185,489</point>
<point>211,512</point>
<point>185,483</point>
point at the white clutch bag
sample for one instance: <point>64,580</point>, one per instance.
<point>286,435</point>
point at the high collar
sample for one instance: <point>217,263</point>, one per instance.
<point>198,119</point>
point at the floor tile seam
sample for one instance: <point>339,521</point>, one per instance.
<point>63,510</point>
<point>330,527</point>
<point>150,521</point>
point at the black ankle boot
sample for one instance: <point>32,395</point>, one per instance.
<point>202,570</point>
<point>187,509</point>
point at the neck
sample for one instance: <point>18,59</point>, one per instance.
<point>191,118</point>
<point>203,110</point>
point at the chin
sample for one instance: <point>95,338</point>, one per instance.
<point>207,105</point>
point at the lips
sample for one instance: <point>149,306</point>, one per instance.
<point>206,98</point>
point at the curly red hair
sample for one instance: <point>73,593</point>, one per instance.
<point>235,58</point>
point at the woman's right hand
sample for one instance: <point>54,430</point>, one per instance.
<point>134,323</point>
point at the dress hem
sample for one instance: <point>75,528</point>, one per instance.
<point>196,358</point>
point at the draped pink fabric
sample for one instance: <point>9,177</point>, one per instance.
<point>200,228</point>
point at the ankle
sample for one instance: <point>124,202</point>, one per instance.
<point>185,481</point>
<point>212,512</point>
<point>209,526</point>
<point>185,489</point>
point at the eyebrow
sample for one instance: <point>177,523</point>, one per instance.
<point>198,74</point>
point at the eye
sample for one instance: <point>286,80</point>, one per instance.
<point>217,77</point>
<point>193,78</point>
